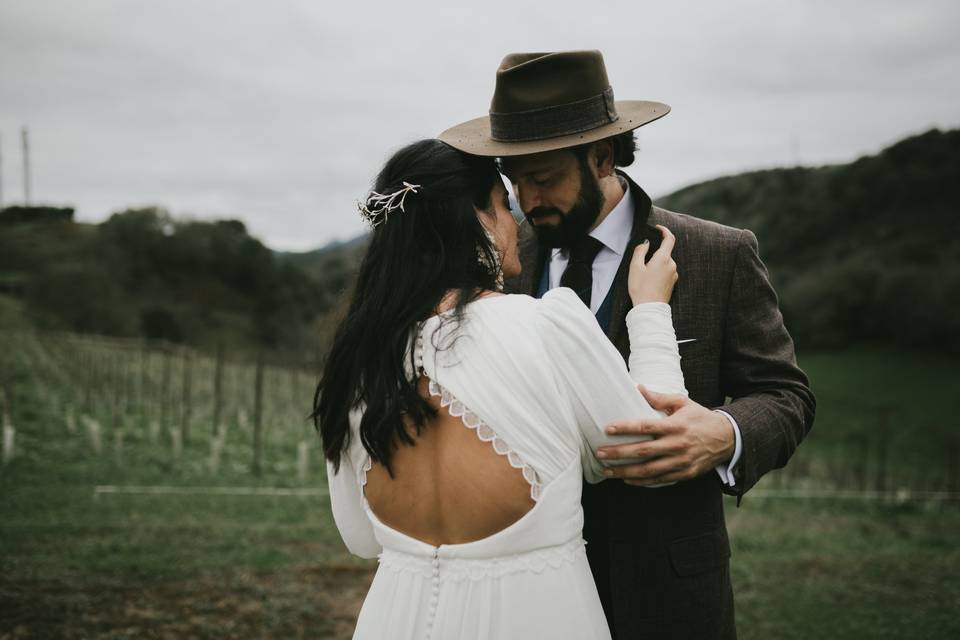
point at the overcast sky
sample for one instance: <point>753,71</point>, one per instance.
<point>280,113</point>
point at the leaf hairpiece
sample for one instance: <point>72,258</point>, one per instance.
<point>378,206</point>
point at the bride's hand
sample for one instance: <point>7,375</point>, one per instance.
<point>653,281</point>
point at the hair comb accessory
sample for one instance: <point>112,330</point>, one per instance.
<point>378,206</point>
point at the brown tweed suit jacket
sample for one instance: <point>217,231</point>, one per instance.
<point>660,557</point>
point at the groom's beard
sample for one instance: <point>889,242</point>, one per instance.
<point>575,223</point>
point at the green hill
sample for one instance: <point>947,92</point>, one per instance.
<point>332,265</point>
<point>860,252</point>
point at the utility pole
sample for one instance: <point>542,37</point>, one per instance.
<point>26,167</point>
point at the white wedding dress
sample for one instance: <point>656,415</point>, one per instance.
<point>539,380</point>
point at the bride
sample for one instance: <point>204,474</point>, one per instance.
<point>458,423</point>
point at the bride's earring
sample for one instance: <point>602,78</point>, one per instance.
<point>494,267</point>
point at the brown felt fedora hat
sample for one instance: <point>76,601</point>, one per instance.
<point>547,101</point>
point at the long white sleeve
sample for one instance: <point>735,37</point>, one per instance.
<point>655,361</point>
<point>347,506</point>
<point>346,503</point>
<point>654,355</point>
<point>593,375</point>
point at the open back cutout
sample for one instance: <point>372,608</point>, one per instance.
<point>459,483</point>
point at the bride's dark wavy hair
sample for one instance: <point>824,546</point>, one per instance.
<point>414,258</point>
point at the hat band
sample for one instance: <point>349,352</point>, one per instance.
<point>556,120</point>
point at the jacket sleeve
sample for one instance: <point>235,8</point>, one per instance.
<point>771,399</point>
<point>592,374</point>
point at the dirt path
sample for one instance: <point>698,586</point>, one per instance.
<point>307,602</point>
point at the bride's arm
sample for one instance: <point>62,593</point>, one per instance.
<point>654,357</point>
<point>346,502</point>
<point>592,373</point>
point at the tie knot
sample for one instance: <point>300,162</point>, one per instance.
<point>585,250</point>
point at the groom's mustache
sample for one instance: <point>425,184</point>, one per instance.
<point>541,212</point>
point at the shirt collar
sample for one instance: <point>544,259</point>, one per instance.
<point>614,231</point>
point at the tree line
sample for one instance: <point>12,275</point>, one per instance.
<point>144,273</point>
<point>860,252</point>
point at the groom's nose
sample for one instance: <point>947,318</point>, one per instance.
<point>528,197</point>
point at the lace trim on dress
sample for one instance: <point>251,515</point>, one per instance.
<point>458,569</point>
<point>487,434</point>
<point>469,419</point>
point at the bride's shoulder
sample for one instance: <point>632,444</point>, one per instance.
<point>561,296</point>
<point>516,307</point>
<point>562,302</point>
<point>505,302</point>
<point>557,303</point>
<point>559,312</point>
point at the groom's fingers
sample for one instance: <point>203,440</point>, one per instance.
<point>668,402</point>
<point>646,449</point>
<point>646,471</point>
<point>656,427</point>
<point>667,478</point>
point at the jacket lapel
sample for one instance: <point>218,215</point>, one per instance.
<point>642,229</point>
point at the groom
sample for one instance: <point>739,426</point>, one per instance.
<point>659,556</point>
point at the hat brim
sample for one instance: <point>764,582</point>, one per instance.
<point>473,136</point>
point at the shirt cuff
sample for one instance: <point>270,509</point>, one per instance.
<point>726,470</point>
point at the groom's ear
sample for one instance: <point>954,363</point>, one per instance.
<point>603,157</point>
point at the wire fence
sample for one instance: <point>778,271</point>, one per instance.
<point>231,414</point>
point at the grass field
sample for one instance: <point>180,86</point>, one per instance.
<point>142,566</point>
<point>869,398</point>
<point>845,570</point>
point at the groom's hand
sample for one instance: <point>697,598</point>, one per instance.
<point>690,441</point>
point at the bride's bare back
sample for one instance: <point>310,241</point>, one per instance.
<point>451,487</point>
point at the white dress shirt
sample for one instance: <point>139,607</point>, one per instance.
<point>614,233</point>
